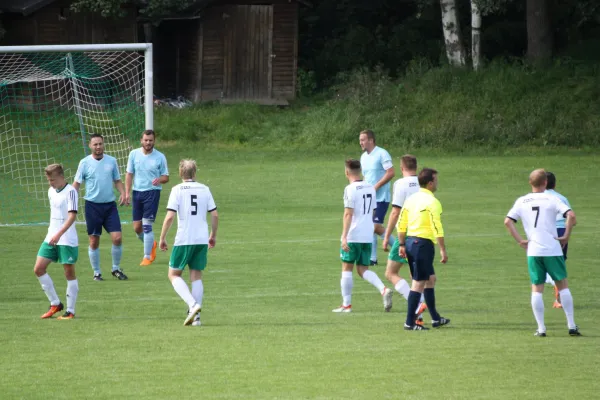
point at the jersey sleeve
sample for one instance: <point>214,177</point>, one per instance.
<point>116,173</point>
<point>211,206</point>
<point>561,208</point>
<point>399,195</point>
<point>348,198</point>
<point>164,170</point>
<point>72,200</point>
<point>130,164</point>
<point>513,213</point>
<point>173,203</point>
<point>80,174</point>
<point>386,160</point>
<point>435,215</point>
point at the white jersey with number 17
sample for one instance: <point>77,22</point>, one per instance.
<point>360,197</point>
<point>191,201</point>
<point>538,213</point>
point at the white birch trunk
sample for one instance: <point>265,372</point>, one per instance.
<point>475,34</point>
<point>455,50</point>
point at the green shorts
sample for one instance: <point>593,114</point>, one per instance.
<point>553,265</point>
<point>360,254</point>
<point>395,255</point>
<point>59,253</point>
<point>193,255</point>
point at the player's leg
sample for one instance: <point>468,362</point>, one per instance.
<point>557,302</point>
<point>151,200</point>
<point>68,255</point>
<point>557,269</point>
<point>346,282</point>
<point>47,254</point>
<point>93,221</point>
<point>419,279</point>
<point>180,256</point>
<point>112,224</point>
<point>137,208</point>
<point>197,264</point>
<point>394,264</point>
<point>537,274</point>
<point>362,268</point>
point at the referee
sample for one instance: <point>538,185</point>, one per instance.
<point>419,227</point>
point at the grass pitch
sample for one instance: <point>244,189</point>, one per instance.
<point>268,331</point>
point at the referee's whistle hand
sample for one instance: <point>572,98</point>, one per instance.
<point>444,259</point>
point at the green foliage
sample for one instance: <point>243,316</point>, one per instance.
<point>152,9</point>
<point>503,106</point>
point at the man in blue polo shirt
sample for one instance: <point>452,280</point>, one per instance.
<point>377,170</point>
<point>99,172</point>
<point>146,171</point>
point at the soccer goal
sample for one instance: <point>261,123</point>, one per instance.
<point>51,99</point>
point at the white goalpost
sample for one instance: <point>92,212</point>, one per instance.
<point>51,99</point>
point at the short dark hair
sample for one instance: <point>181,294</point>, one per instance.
<point>149,132</point>
<point>426,175</point>
<point>550,180</point>
<point>353,165</point>
<point>409,161</point>
<point>96,135</point>
<point>370,134</point>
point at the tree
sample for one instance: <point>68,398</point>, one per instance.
<point>539,31</point>
<point>151,9</point>
<point>475,34</point>
<point>455,51</point>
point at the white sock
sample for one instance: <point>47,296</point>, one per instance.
<point>72,290</point>
<point>374,280</point>
<point>537,304</point>
<point>346,283</point>
<point>48,287</point>
<point>402,288</point>
<point>374,248</point>
<point>566,299</point>
<point>198,291</point>
<point>183,291</point>
<point>549,279</point>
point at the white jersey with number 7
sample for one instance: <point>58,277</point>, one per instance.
<point>538,213</point>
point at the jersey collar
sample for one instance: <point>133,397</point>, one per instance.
<point>429,192</point>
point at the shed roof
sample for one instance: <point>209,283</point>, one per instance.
<point>24,7</point>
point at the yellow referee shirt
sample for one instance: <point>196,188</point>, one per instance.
<point>421,216</point>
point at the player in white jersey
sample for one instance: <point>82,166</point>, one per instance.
<point>538,211</point>
<point>403,188</point>
<point>190,201</point>
<point>357,235</point>
<point>61,242</point>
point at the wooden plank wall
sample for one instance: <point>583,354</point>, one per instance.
<point>213,63</point>
<point>285,49</point>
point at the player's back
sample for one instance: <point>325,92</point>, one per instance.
<point>192,201</point>
<point>403,189</point>
<point>360,196</point>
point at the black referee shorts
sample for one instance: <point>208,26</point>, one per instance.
<point>420,253</point>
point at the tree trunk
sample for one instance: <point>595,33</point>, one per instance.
<point>475,34</point>
<point>455,50</point>
<point>539,31</point>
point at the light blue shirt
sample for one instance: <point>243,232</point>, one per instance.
<point>99,177</point>
<point>560,220</point>
<point>145,168</point>
<point>373,166</point>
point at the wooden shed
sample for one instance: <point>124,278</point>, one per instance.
<point>45,22</point>
<point>230,51</point>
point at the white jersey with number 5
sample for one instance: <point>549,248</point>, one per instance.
<point>191,201</point>
<point>360,196</point>
<point>538,213</point>
<point>403,188</point>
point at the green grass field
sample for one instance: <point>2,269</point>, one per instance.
<point>268,331</point>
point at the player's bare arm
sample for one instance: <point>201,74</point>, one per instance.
<point>443,254</point>
<point>347,221</point>
<point>70,220</point>
<point>169,218</point>
<point>128,184</point>
<point>389,175</point>
<point>392,221</point>
<point>214,226</point>
<point>510,225</point>
<point>569,224</point>
<point>121,188</point>
<point>76,185</point>
<point>160,180</point>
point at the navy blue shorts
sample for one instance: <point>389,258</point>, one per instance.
<point>560,232</point>
<point>145,204</point>
<point>379,215</point>
<point>420,253</point>
<point>98,215</point>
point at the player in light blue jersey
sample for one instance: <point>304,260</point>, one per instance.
<point>560,230</point>
<point>378,170</point>
<point>99,172</point>
<point>146,172</point>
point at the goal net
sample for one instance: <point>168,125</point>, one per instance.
<point>51,99</point>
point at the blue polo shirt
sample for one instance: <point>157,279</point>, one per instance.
<point>374,165</point>
<point>145,168</point>
<point>99,177</point>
